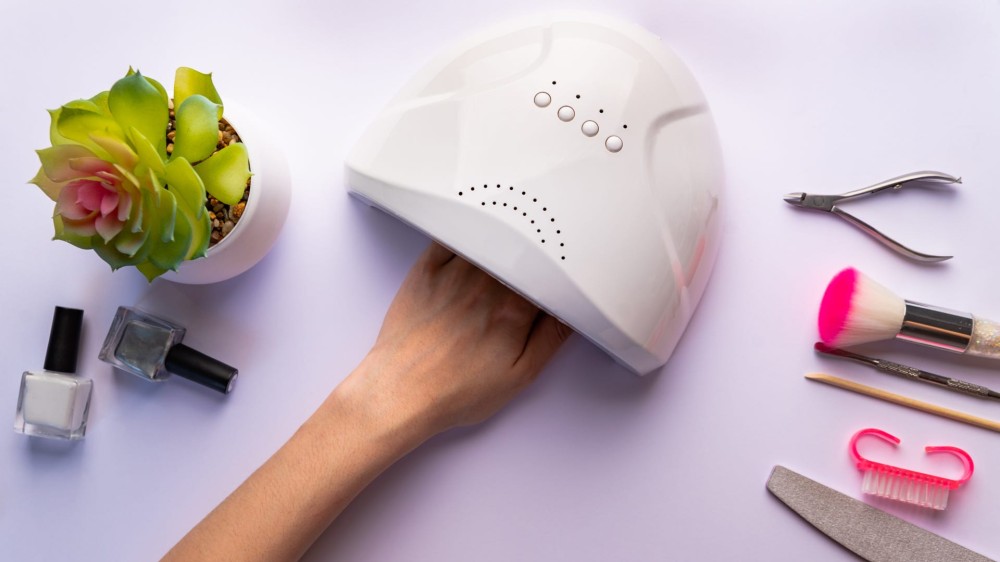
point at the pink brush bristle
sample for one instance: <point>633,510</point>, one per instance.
<point>905,485</point>
<point>857,310</point>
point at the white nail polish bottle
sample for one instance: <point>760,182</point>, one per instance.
<point>53,402</point>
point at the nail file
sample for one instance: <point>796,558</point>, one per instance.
<point>867,531</point>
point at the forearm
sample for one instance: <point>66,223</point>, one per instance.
<point>455,346</point>
<point>288,502</point>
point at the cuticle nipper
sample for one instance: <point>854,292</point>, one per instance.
<point>829,203</point>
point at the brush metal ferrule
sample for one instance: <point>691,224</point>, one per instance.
<point>936,327</point>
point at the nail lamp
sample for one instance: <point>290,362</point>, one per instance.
<point>575,160</point>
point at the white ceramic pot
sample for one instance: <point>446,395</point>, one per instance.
<point>265,213</point>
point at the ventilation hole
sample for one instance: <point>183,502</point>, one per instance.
<point>504,204</point>
<point>599,111</point>
<point>539,231</point>
<point>498,186</point>
<point>545,208</point>
<point>485,186</point>
<point>534,200</point>
<point>472,189</point>
<point>552,220</point>
<point>624,126</point>
<point>558,232</point>
<point>512,188</point>
<point>523,193</point>
<point>459,193</point>
<point>483,203</point>
<point>578,96</point>
<point>543,241</point>
<point>553,82</point>
<point>494,202</point>
<point>561,244</point>
<point>532,222</point>
<point>562,258</point>
<point>515,208</point>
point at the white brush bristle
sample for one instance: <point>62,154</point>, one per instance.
<point>876,313</point>
<point>901,488</point>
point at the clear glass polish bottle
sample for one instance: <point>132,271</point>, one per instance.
<point>53,402</point>
<point>150,347</point>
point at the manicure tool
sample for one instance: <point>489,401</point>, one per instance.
<point>911,373</point>
<point>905,401</point>
<point>830,204</point>
<point>867,531</point>
<point>905,485</point>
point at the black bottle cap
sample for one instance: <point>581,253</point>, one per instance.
<point>195,366</point>
<point>64,340</point>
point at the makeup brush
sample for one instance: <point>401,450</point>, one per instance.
<point>856,310</point>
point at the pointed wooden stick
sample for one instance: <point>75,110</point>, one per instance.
<point>904,401</point>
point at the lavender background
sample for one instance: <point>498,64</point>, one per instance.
<point>591,463</point>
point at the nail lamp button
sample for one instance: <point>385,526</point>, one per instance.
<point>542,99</point>
<point>613,143</point>
<point>589,128</point>
<point>566,113</point>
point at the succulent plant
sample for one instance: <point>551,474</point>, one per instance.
<point>117,189</point>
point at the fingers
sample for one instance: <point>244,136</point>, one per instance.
<point>436,255</point>
<point>545,338</point>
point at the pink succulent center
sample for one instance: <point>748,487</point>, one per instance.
<point>94,206</point>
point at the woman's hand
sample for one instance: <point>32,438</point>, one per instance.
<point>455,346</point>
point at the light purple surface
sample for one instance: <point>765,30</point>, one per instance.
<point>591,463</point>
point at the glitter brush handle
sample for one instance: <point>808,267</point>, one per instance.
<point>985,338</point>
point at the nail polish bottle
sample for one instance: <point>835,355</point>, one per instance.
<point>53,402</point>
<point>150,347</point>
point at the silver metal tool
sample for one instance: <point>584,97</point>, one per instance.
<point>867,531</point>
<point>830,204</point>
<point>912,373</point>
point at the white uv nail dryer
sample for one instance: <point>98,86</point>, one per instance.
<point>575,160</point>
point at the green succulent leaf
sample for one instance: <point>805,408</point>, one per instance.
<point>156,84</point>
<point>50,188</point>
<point>115,258</point>
<point>76,125</point>
<point>201,230</point>
<point>167,211</point>
<point>226,172</point>
<point>150,271</point>
<point>186,185</point>
<point>101,102</point>
<point>96,104</point>
<point>148,156</point>
<point>189,82</point>
<point>54,137</point>
<point>171,252</point>
<point>136,102</point>
<point>197,128</point>
<point>82,242</point>
<point>120,151</point>
<point>57,161</point>
<point>138,238</point>
<point>89,105</point>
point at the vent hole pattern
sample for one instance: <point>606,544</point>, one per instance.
<point>516,205</point>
